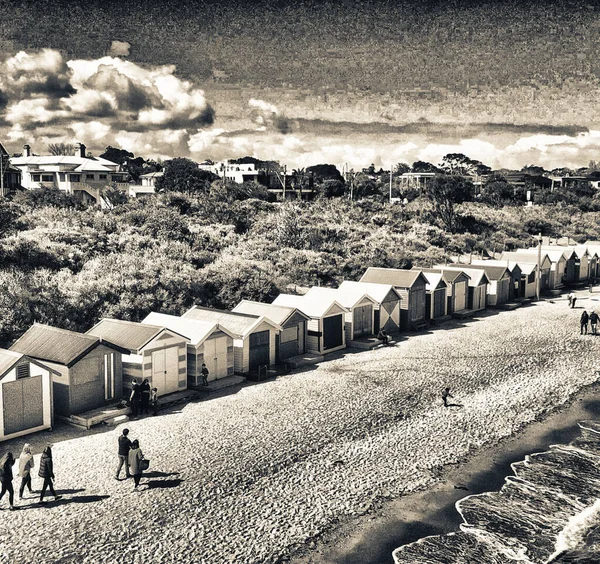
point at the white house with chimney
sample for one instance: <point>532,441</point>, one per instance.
<point>237,172</point>
<point>82,176</point>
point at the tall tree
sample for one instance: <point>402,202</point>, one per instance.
<point>183,175</point>
<point>445,192</point>
<point>61,149</point>
<point>424,166</point>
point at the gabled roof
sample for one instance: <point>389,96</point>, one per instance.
<point>477,276</point>
<point>277,313</point>
<point>567,252</point>
<point>526,255</point>
<point>55,345</point>
<point>239,324</point>
<point>511,265</point>
<point>435,280</point>
<point>492,272</point>
<point>377,291</point>
<point>397,277</point>
<point>194,330</point>
<point>449,276</point>
<point>130,335</point>
<point>152,174</point>
<point>91,166</point>
<point>348,298</point>
<point>317,306</point>
<point>9,358</point>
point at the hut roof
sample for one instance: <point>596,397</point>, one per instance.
<point>435,280</point>
<point>130,335</point>
<point>492,272</point>
<point>376,291</point>
<point>477,276</point>
<point>240,324</point>
<point>9,358</point>
<point>397,277</point>
<point>449,276</point>
<point>194,330</point>
<point>317,306</point>
<point>348,298</point>
<point>277,313</point>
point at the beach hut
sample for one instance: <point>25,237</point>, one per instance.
<point>436,306</point>
<point>552,266</point>
<point>478,284</point>
<point>88,372</point>
<point>207,343</point>
<point>412,287</point>
<point>254,336</point>
<point>457,288</point>
<point>326,328</point>
<point>25,395</point>
<point>593,257</point>
<point>584,262</point>
<point>387,304</point>
<point>153,352</point>
<point>361,309</point>
<point>294,326</point>
<point>499,283</point>
<point>594,248</point>
<point>571,264</point>
<point>516,275</point>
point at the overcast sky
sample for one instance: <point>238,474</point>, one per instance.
<point>352,81</point>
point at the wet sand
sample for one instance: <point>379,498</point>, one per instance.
<point>371,538</point>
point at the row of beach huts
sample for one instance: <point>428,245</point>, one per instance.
<point>51,372</point>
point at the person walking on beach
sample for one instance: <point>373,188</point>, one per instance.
<point>124,447</point>
<point>205,374</point>
<point>594,322</point>
<point>145,396</point>
<point>445,395</point>
<point>6,478</point>
<point>573,300</point>
<point>26,465</point>
<point>134,398</point>
<point>570,298</point>
<point>135,458</point>
<point>154,400</point>
<point>584,323</point>
<point>46,471</point>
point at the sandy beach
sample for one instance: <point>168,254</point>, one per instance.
<point>257,475</point>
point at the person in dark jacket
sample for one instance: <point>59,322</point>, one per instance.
<point>6,478</point>
<point>124,446</point>
<point>135,457</point>
<point>134,398</point>
<point>583,321</point>
<point>205,373</point>
<point>46,471</point>
<point>594,322</point>
<point>26,464</point>
<point>145,396</point>
<point>445,395</point>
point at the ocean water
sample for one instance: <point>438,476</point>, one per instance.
<point>547,512</point>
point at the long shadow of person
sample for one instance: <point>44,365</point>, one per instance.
<point>163,484</point>
<point>455,405</point>
<point>158,474</point>
<point>56,502</point>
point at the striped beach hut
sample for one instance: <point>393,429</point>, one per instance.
<point>294,326</point>
<point>412,287</point>
<point>326,328</point>
<point>254,336</point>
<point>387,303</point>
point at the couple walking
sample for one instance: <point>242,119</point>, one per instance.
<point>141,397</point>
<point>132,457</point>
<point>26,465</point>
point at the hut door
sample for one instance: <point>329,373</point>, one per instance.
<point>259,349</point>
<point>362,320</point>
<point>159,372</point>
<point>439,299</point>
<point>333,332</point>
<point>220,357</point>
<point>23,404</point>
<point>211,359</point>
<point>460,296</point>
<point>301,333</point>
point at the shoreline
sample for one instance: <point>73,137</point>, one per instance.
<point>371,538</point>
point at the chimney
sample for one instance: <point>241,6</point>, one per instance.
<point>80,150</point>
<point>26,151</point>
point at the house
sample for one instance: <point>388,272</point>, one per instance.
<point>326,328</point>
<point>79,175</point>
<point>254,343</point>
<point>457,288</point>
<point>208,343</point>
<point>436,306</point>
<point>87,370</point>
<point>361,309</point>
<point>294,326</point>
<point>516,275</point>
<point>478,284</point>
<point>147,186</point>
<point>25,395</point>
<point>155,353</point>
<point>552,266</point>
<point>231,171</point>
<point>387,304</point>
<point>10,177</point>
<point>412,287</point>
<point>499,281</point>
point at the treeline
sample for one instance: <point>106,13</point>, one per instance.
<point>68,266</point>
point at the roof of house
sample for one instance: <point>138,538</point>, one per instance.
<point>493,272</point>
<point>449,276</point>
<point>130,335</point>
<point>316,306</point>
<point>397,277</point>
<point>435,280</point>
<point>60,159</point>
<point>54,344</point>
<point>376,291</point>
<point>195,330</point>
<point>277,313</point>
<point>240,324</point>
<point>90,165</point>
<point>477,276</point>
<point>348,298</point>
<point>152,174</point>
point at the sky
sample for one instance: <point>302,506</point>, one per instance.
<point>353,82</point>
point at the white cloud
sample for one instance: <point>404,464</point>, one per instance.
<point>119,49</point>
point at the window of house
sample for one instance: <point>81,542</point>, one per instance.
<point>289,334</point>
<point>102,176</point>
<point>23,371</point>
<point>61,176</point>
<point>89,177</point>
<point>47,178</point>
<point>75,177</point>
<point>35,177</point>
<point>117,178</point>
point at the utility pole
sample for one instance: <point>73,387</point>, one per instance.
<point>283,183</point>
<point>538,268</point>
<point>391,175</point>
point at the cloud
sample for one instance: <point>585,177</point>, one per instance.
<point>43,96</point>
<point>119,49</point>
<point>267,117</point>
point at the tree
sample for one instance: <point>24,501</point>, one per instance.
<point>459,164</point>
<point>423,166</point>
<point>183,175</point>
<point>300,178</point>
<point>115,155</point>
<point>445,192</point>
<point>497,191</point>
<point>534,170</point>
<point>58,149</point>
<point>322,172</point>
<point>401,168</point>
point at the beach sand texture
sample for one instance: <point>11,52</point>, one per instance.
<point>254,476</point>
